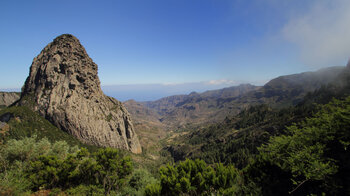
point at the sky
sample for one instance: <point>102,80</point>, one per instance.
<point>178,45</point>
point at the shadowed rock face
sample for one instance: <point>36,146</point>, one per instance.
<point>65,89</point>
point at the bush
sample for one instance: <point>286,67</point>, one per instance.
<point>195,178</point>
<point>137,182</point>
<point>15,158</point>
<point>111,169</point>
<point>83,190</point>
<point>153,190</point>
<point>14,182</point>
<point>107,169</point>
<point>29,149</point>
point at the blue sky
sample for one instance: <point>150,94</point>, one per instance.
<point>211,42</point>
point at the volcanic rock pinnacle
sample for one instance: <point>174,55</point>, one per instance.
<point>63,87</point>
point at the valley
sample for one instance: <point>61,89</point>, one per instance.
<point>237,140</point>
<point>177,117</point>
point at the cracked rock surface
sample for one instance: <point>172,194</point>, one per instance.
<point>63,86</point>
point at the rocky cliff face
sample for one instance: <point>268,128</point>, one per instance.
<point>63,86</point>
<point>8,98</point>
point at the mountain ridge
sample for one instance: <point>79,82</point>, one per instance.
<point>194,109</point>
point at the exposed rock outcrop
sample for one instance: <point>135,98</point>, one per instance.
<point>63,86</point>
<point>8,98</point>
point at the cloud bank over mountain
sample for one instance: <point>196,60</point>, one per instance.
<point>321,33</point>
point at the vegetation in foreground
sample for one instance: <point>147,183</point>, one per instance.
<point>30,165</point>
<point>301,150</point>
<point>310,158</point>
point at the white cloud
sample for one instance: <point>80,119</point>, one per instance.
<point>218,82</point>
<point>322,34</point>
<point>222,82</point>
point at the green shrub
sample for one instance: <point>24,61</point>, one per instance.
<point>111,168</point>
<point>153,190</point>
<point>29,149</point>
<point>56,192</point>
<point>84,190</point>
<point>195,178</point>
<point>107,169</point>
<point>15,159</point>
<point>137,182</point>
<point>14,182</point>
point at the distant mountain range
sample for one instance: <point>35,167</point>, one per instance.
<point>151,92</point>
<point>180,111</point>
